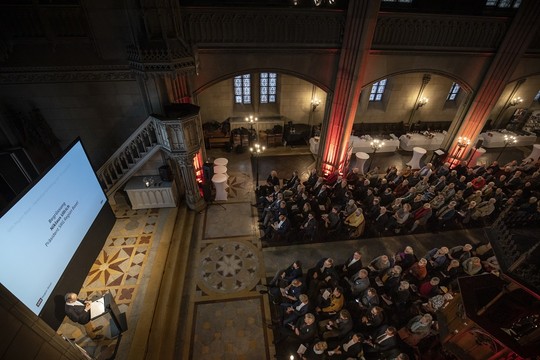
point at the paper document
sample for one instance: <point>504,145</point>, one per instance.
<point>97,308</point>
<point>301,349</point>
<point>326,294</point>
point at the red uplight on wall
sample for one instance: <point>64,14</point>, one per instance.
<point>197,165</point>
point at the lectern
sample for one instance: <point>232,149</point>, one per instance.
<point>106,305</point>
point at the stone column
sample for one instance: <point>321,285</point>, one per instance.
<point>187,170</point>
<point>518,37</point>
<point>336,131</point>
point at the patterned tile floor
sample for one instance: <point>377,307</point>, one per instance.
<point>119,269</point>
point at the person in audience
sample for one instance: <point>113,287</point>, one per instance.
<point>398,220</point>
<point>324,272</point>
<point>448,273</point>
<point>426,170</point>
<point>437,257</point>
<point>356,224</point>
<point>337,326</point>
<point>472,266</point>
<point>292,182</point>
<point>278,230</point>
<point>331,304</point>
<point>416,329</point>
<point>439,184</point>
<point>381,221</point>
<point>418,271</point>
<point>351,266</point>
<point>332,221</point>
<point>429,288</point>
<point>444,215</point>
<point>379,264</point>
<point>369,299</point>
<point>484,209</point>
<point>387,198</point>
<point>291,313</point>
<point>312,179</point>
<point>315,352</point>
<point>304,330</point>
<point>285,276</point>
<point>349,208</point>
<point>373,318</point>
<point>478,183</point>
<point>460,252</point>
<point>466,212</point>
<point>289,294</point>
<point>405,258</point>
<point>308,229</point>
<point>416,202</point>
<point>350,347</point>
<point>382,344</point>
<point>373,209</point>
<point>359,283</point>
<point>421,216</point>
<point>389,279</point>
<point>400,297</point>
<point>332,178</point>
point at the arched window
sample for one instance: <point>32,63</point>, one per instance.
<point>242,89</point>
<point>377,90</point>
<point>268,87</point>
<point>454,90</point>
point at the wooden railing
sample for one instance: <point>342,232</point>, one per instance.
<point>130,156</point>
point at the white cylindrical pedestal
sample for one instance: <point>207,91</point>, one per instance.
<point>220,169</point>
<point>221,161</point>
<point>535,153</point>
<point>220,183</point>
<point>476,154</point>
<point>361,158</point>
<point>418,152</point>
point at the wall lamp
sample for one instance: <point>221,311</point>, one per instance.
<point>423,101</point>
<point>314,103</point>
<point>515,101</point>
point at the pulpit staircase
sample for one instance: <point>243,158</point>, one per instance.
<point>131,156</point>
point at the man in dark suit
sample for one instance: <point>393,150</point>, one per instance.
<point>79,311</point>
<point>351,266</point>
<point>303,331</point>
<point>308,229</point>
<point>278,231</point>
<point>384,344</point>
<point>291,313</point>
<point>380,222</point>
<point>351,347</point>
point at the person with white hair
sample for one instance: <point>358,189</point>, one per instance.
<point>460,252</point>
<point>484,209</point>
<point>421,216</point>
<point>437,257</point>
<point>405,258</point>
<point>416,329</point>
<point>79,311</point>
<point>472,266</point>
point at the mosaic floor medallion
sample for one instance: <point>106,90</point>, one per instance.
<point>230,266</point>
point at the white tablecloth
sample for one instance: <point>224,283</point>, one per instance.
<point>357,144</point>
<point>495,139</point>
<point>408,141</point>
<point>363,144</point>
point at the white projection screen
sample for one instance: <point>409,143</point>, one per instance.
<point>52,234</point>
